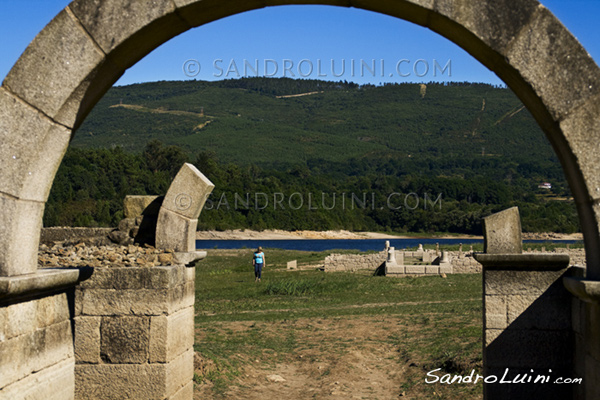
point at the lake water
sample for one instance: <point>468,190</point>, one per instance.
<point>332,244</point>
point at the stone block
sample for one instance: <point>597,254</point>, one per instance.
<point>415,269</point>
<point>188,192</point>
<point>175,232</point>
<point>136,206</point>
<point>185,393</point>
<point>428,257</point>
<point>129,278</point>
<point>56,382</point>
<point>394,269</point>
<point>125,340</point>
<point>550,58</point>
<point>292,264</point>
<point>496,23</point>
<point>592,330</point>
<point>28,174</point>
<point>20,224</point>
<point>582,131</point>
<point>180,372</point>
<point>539,312</point>
<point>197,13</point>
<point>491,334</point>
<point>502,232</point>
<point>521,282</point>
<point>120,381</point>
<point>590,380</point>
<point>432,269</point>
<point>446,269</point>
<point>172,335</point>
<point>87,339</point>
<point>34,351</point>
<point>28,316</point>
<point>124,302</point>
<point>529,349</point>
<point>128,29</point>
<point>495,312</point>
<point>55,72</point>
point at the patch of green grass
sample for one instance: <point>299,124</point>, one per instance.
<point>440,317</point>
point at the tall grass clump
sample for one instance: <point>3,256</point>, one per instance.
<point>291,287</point>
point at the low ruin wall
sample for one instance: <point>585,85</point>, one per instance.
<point>353,262</point>
<point>461,262</point>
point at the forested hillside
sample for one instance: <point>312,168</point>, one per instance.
<point>471,146</point>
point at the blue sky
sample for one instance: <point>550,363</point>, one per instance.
<point>300,42</point>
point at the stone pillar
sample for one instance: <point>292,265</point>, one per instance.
<point>527,316</point>
<point>420,249</point>
<point>391,255</point>
<point>134,334</point>
<point>586,329</point>
<point>178,215</point>
<point>527,325</point>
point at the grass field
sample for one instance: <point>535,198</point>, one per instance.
<point>310,334</point>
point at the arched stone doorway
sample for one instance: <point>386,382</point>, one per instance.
<point>78,56</point>
<point>88,46</point>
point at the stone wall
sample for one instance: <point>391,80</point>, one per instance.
<point>134,333</point>
<point>353,262</point>
<point>69,234</point>
<point>36,349</point>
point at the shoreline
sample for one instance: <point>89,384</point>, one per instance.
<point>277,234</point>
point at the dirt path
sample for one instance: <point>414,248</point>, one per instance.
<point>333,358</point>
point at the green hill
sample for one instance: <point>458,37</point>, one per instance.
<point>256,120</point>
<point>472,146</point>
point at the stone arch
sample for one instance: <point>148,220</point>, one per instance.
<point>77,57</point>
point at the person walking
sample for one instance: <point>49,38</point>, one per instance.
<point>259,262</point>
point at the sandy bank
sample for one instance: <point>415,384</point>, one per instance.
<point>276,234</point>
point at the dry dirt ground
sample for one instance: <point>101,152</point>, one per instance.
<point>340,358</point>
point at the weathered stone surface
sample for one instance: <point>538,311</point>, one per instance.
<point>171,336</point>
<point>496,23</point>
<point>416,11</point>
<point>87,339</point>
<point>175,232</point>
<point>54,72</point>
<point>561,72</point>
<point>432,269</point>
<point>529,349</point>
<point>394,269</point>
<point>198,13</point>
<point>136,206</point>
<point>43,280</point>
<point>292,264</point>
<point>34,351</point>
<point>125,302</point>
<point>120,381</point>
<point>447,269</point>
<point>125,340</point>
<point>56,382</point>
<point>582,130</point>
<point>502,232</point>
<point>188,257</point>
<point>28,316</point>
<point>31,147</point>
<point>185,393</point>
<point>495,312</point>
<point>180,372</point>
<point>128,29</point>
<point>188,192</point>
<point>534,312</point>
<point>20,224</point>
<point>415,269</point>
<point>520,282</point>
